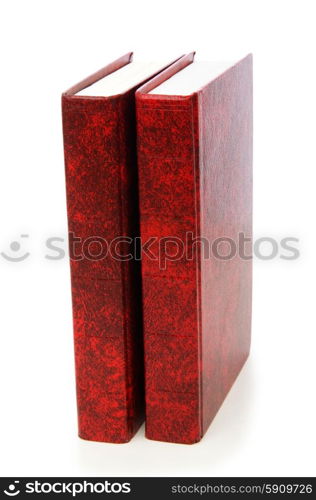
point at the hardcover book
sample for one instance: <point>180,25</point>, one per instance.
<point>194,142</point>
<point>101,183</point>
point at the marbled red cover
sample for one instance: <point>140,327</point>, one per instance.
<point>195,176</point>
<point>102,202</point>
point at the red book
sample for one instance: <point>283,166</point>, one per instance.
<point>194,126</point>
<point>101,180</point>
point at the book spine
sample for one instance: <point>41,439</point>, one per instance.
<point>168,151</point>
<point>99,179</point>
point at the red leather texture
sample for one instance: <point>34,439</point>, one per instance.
<point>102,201</point>
<point>195,176</point>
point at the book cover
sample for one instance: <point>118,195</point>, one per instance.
<point>195,183</point>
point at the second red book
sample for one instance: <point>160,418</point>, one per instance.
<point>194,126</point>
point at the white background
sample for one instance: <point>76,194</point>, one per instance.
<point>267,423</point>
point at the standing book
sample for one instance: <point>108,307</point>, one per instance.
<point>101,183</point>
<point>194,129</point>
